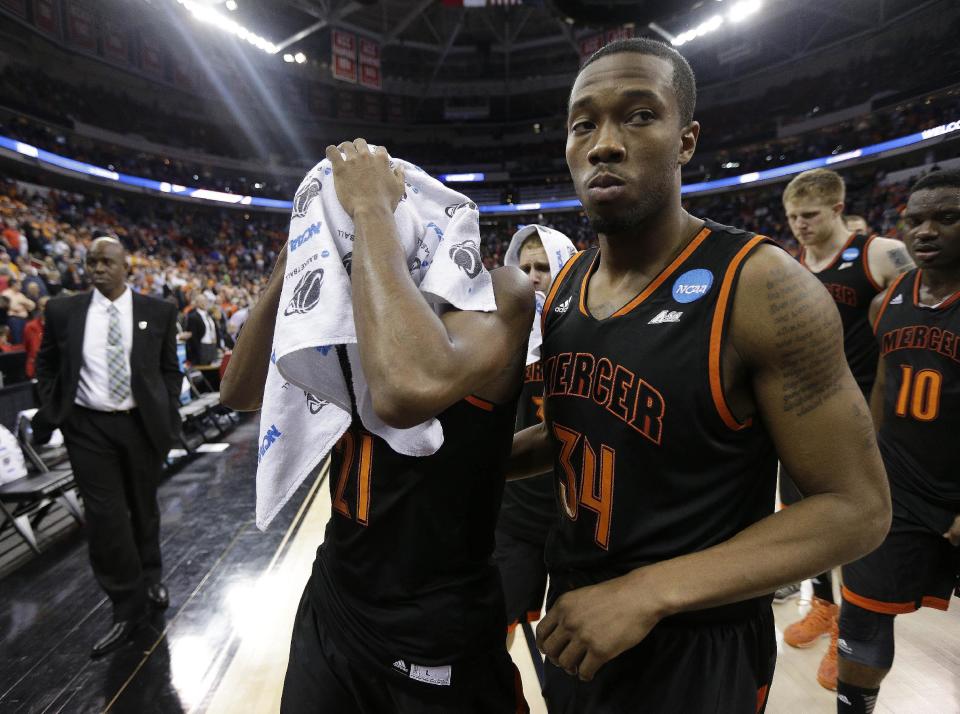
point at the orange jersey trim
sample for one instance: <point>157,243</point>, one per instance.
<point>716,337</point>
<point>943,305</point>
<point>479,403</point>
<point>666,273</point>
<point>866,264</point>
<point>548,303</point>
<point>884,608</point>
<point>762,697</point>
<point>886,300</point>
<point>938,603</point>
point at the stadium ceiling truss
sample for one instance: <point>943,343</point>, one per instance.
<point>785,29</point>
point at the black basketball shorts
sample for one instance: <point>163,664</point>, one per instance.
<point>914,567</point>
<point>523,573</point>
<point>322,679</point>
<point>689,668</point>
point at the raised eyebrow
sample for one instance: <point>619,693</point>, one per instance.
<point>626,94</point>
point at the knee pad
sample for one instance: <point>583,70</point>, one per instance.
<point>866,637</point>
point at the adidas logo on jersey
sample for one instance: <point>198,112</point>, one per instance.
<point>401,665</point>
<point>898,300</point>
<point>844,266</point>
<point>562,307</point>
<point>666,316</point>
<point>842,698</point>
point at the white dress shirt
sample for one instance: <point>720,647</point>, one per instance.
<point>210,329</point>
<point>93,392</point>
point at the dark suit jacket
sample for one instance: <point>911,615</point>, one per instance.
<point>155,376</point>
<point>198,329</point>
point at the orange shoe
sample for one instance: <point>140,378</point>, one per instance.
<point>812,627</point>
<point>827,672</point>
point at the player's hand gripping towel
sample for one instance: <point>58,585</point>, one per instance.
<point>306,403</point>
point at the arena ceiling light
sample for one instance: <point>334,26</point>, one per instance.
<point>739,12</point>
<point>207,14</point>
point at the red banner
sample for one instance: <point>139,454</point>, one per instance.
<point>395,110</point>
<point>344,43</point>
<point>344,68</point>
<point>369,52</point>
<point>151,55</point>
<point>17,7</point>
<point>81,30</point>
<point>45,16</point>
<point>115,43</point>
<point>321,100</point>
<point>619,33</point>
<point>370,76</point>
<point>372,108</point>
<point>589,45</point>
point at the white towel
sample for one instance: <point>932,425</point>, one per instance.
<point>559,250</point>
<point>306,404</point>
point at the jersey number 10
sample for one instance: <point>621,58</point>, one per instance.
<point>919,395</point>
<point>595,492</point>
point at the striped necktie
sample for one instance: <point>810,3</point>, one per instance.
<point>119,375</point>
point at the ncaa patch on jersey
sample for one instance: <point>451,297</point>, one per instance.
<point>850,254</point>
<point>692,285</point>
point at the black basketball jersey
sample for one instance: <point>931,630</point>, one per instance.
<point>405,572</point>
<point>529,508</point>
<point>852,286</point>
<point>650,462</point>
<point>921,401</point>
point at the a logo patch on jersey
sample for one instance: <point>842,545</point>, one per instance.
<point>692,285</point>
<point>850,254</point>
<point>898,300</point>
<point>562,307</point>
<point>439,676</point>
<point>844,266</point>
<point>666,316</point>
<point>401,665</point>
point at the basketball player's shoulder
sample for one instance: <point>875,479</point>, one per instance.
<point>777,301</point>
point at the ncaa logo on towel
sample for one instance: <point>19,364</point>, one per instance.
<point>850,254</point>
<point>309,191</point>
<point>311,231</point>
<point>451,209</point>
<point>692,285</point>
<point>307,293</point>
<point>467,257</point>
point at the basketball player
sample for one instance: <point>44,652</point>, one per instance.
<point>528,509</point>
<point>404,610</point>
<point>854,268</point>
<point>681,357</point>
<point>857,224</point>
<point>916,407</point>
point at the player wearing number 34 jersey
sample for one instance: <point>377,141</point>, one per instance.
<point>680,359</point>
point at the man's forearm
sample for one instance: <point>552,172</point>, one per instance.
<point>395,326</point>
<point>531,454</point>
<point>246,374</point>
<point>785,547</point>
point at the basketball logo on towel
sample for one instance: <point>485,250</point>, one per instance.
<point>467,256</point>
<point>348,262</point>
<point>315,404</point>
<point>450,210</point>
<point>307,293</point>
<point>305,196</point>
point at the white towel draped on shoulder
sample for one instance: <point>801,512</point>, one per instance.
<point>307,404</point>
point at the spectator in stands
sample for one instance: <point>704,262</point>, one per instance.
<point>19,310</point>
<point>202,345</point>
<point>109,378</point>
<point>857,224</point>
<point>33,337</point>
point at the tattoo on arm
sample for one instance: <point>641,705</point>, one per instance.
<point>810,366</point>
<point>900,259</point>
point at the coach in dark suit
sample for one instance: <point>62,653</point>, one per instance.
<point>108,376</point>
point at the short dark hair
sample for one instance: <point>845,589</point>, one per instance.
<point>938,179</point>
<point>684,81</point>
